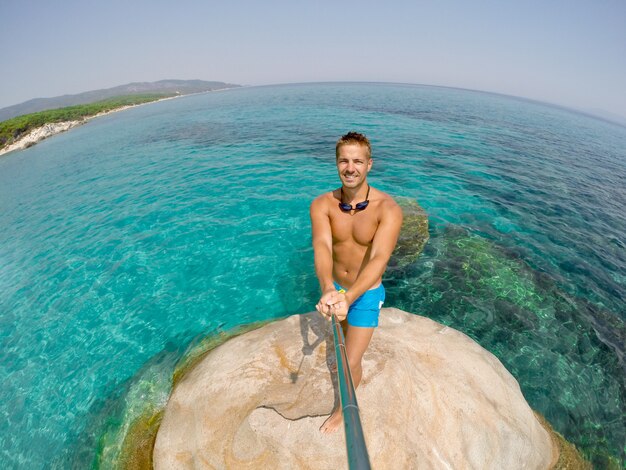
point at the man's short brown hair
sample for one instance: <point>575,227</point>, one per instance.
<point>354,138</point>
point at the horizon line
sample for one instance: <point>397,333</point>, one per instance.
<point>618,119</point>
<point>562,107</point>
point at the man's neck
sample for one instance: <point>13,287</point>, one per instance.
<point>355,194</point>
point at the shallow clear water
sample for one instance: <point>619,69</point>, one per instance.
<point>125,240</point>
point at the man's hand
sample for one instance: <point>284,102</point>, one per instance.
<point>323,306</point>
<point>333,302</point>
<point>340,307</point>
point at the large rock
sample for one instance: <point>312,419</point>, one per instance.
<point>430,398</point>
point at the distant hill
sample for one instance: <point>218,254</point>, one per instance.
<point>182,87</point>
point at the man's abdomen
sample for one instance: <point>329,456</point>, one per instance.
<point>347,264</point>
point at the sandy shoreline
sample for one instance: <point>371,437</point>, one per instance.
<point>53,128</point>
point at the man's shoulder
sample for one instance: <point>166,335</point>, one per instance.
<point>385,200</point>
<point>324,198</point>
<point>323,201</point>
<point>387,209</point>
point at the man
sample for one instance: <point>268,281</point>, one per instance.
<point>355,229</point>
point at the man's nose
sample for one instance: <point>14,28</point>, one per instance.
<point>350,167</point>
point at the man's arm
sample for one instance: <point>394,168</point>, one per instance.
<point>322,249</point>
<point>382,246</point>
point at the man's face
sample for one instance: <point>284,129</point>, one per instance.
<point>353,165</point>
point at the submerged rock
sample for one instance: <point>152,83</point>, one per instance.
<point>566,353</point>
<point>413,234</point>
<point>430,397</point>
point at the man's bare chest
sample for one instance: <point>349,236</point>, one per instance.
<point>360,227</point>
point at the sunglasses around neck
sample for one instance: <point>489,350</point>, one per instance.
<point>359,206</point>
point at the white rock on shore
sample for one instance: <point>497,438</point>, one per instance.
<point>430,398</point>
<point>39,134</point>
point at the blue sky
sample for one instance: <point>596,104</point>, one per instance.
<point>571,53</point>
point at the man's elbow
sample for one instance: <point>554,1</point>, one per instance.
<point>381,260</point>
<point>321,246</point>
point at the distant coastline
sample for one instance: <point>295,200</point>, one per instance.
<point>49,129</point>
<point>55,115</point>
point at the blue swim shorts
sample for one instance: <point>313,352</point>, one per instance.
<point>365,310</point>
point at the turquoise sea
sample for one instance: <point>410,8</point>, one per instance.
<point>125,241</point>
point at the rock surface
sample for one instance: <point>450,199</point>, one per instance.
<point>430,398</point>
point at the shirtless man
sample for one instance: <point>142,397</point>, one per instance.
<point>355,229</point>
